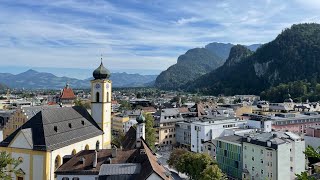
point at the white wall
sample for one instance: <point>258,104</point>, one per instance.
<point>209,131</point>
<point>25,166</point>
<point>38,161</point>
<point>299,161</point>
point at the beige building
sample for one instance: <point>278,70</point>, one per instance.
<point>165,121</point>
<point>21,116</point>
<point>118,123</point>
<point>243,110</point>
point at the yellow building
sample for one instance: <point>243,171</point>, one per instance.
<point>118,123</point>
<point>243,110</point>
<point>21,116</point>
<point>51,134</point>
<point>165,125</point>
<point>43,141</point>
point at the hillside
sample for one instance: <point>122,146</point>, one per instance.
<point>293,55</point>
<point>191,65</point>
<point>32,79</point>
<point>195,63</point>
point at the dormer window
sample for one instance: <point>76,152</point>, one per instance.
<point>70,125</point>
<point>82,122</point>
<point>55,128</point>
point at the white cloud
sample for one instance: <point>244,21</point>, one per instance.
<point>150,35</point>
<point>183,21</point>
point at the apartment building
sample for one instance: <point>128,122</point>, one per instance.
<point>229,155</point>
<point>208,129</point>
<point>273,155</point>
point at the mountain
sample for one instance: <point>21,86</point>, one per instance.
<point>195,63</point>
<point>223,49</point>
<point>220,49</point>
<point>132,80</point>
<point>237,53</point>
<point>3,87</point>
<point>292,56</point>
<point>191,65</point>
<point>32,79</point>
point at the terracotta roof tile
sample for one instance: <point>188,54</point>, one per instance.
<point>67,93</point>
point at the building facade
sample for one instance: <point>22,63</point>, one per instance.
<point>21,116</point>
<point>118,124</point>
<point>209,129</point>
<point>274,155</point>
<point>229,155</point>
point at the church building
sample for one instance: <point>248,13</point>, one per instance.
<point>52,135</point>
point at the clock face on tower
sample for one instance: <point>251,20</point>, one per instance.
<point>107,86</point>
<point>97,86</point>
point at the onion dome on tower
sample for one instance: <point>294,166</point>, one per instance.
<point>140,118</point>
<point>101,72</point>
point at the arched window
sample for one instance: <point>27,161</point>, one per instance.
<point>97,97</point>
<point>86,147</point>
<point>57,162</point>
<point>97,145</point>
<point>107,96</point>
<point>74,152</point>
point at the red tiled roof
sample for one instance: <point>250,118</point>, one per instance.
<point>149,109</point>
<point>67,93</point>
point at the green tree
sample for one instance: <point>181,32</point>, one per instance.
<point>195,165</point>
<point>221,100</point>
<point>150,131</point>
<point>125,105</point>
<point>85,104</point>
<point>212,172</point>
<point>139,95</point>
<point>236,101</point>
<point>116,140</point>
<point>5,162</point>
<point>175,157</point>
<point>310,152</point>
<point>304,176</point>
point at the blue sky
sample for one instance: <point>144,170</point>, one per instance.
<point>133,34</point>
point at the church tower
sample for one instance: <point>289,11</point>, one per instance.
<point>101,102</point>
<point>140,129</point>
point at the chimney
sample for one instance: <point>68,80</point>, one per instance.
<point>95,160</point>
<point>114,152</point>
<point>109,160</point>
<point>82,160</point>
<point>97,145</point>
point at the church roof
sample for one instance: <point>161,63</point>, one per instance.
<point>54,128</point>
<point>67,93</point>
<point>74,166</point>
<point>33,110</point>
<point>136,163</point>
<point>101,72</point>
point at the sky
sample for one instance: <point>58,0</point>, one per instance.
<point>134,35</point>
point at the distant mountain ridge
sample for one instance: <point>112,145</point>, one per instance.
<point>32,79</point>
<point>195,63</point>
